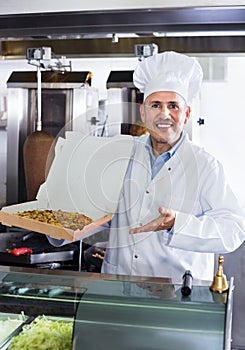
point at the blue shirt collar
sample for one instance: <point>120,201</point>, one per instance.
<point>170,152</point>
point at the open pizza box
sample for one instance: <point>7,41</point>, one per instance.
<point>86,176</point>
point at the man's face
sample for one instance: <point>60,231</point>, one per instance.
<point>164,114</point>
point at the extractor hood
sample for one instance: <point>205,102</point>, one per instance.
<point>144,21</point>
<point>91,33</point>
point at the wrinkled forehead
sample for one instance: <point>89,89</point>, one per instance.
<point>165,97</point>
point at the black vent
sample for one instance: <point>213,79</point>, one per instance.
<point>120,79</point>
<point>29,79</point>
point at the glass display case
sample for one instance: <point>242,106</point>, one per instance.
<point>122,312</point>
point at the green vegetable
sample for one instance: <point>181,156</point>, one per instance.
<point>44,334</point>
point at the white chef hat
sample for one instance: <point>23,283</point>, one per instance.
<point>169,71</point>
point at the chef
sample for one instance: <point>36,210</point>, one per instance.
<point>176,209</point>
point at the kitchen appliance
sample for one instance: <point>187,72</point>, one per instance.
<point>37,145</point>
<point>123,102</point>
<point>126,312</point>
<point>41,253</point>
<point>64,103</point>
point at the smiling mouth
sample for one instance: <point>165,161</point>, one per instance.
<point>164,125</point>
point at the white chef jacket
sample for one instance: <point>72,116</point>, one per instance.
<point>208,216</point>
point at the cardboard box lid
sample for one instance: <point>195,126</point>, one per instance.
<point>87,174</point>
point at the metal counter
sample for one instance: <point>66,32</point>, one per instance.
<point>122,312</point>
<point>132,315</point>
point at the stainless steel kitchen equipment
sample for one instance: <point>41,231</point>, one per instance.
<point>123,101</point>
<point>63,105</point>
<point>37,150</point>
<point>39,252</point>
<point>122,312</point>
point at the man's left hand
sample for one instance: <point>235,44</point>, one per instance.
<point>164,222</point>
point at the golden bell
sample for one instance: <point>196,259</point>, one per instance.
<point>219,284</point>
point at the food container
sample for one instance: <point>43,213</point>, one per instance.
<point>10,325</point>
<point>86,176</point>
<point>44,332</point>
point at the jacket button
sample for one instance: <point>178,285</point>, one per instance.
<point>147,191</point>
<point>136,256</point>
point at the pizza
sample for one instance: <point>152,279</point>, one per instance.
<point>73,221</point>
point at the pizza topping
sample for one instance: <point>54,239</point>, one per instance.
<point>73,221</point>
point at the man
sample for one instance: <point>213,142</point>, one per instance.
<point>176,209</point>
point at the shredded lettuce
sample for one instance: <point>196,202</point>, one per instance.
<point>44,334</point>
